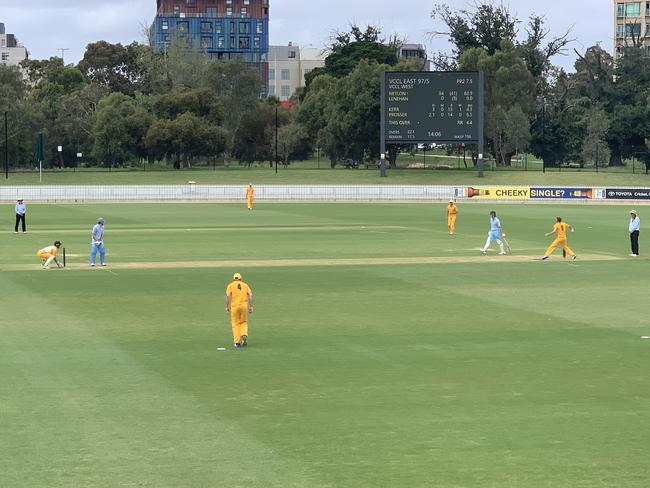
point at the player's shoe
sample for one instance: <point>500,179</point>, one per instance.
<point>634,255</point>
<point>92,265</point>
<point>244,341</point>
<point>45,266</point>
<point>237,345</point>
<point>502,254</point>
<point>482,251</point>
<point>573,258</point>
<point>545,257</point>
<point>103,265</point>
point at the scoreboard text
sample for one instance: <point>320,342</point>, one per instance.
<point>427,107</point>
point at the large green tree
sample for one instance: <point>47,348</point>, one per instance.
<point>509,92</point>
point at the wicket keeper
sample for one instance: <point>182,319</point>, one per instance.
<point>48,254</point>
<point>250,194</point>
<point>239,303</point>
<point>452,212</point>
<point>559,229</point>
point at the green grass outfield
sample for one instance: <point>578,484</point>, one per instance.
<point>383,352</point>
<point>339,176</point>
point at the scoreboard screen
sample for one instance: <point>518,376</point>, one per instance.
<point>428,107</point>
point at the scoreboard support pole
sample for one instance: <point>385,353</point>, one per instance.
<point>382,143</point>
<point>481,124</point>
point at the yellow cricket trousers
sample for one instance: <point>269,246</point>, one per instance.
<point>451,223</point>
<point>239,322</point>
<point>559,242</point>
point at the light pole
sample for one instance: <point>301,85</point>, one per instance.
<point>63,50</point>
<point>276,139</point>
<point>6,146</point>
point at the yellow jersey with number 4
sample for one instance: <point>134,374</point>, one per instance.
<point>238,291</point>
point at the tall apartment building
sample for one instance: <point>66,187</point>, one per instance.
<point>11,51</point>
<point>288,66</point>
<point>224,29</point>
<point>631,25</point>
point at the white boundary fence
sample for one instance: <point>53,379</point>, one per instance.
<point>197,193</point>
<point>317,193</point>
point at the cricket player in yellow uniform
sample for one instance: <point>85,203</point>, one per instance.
<point>250,194</point>
<point>239,303</point>
<point>452,212</point>
<point>559,229</point>
<point>48,254</point>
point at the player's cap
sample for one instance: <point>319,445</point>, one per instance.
<point>19,200</point>
<point>451,200</point>
<point>57,243</point>
<point>633,212</point>
<point>236,276</point>
<point>100,220</point>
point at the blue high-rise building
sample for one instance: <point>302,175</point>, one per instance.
<point>224,29</point>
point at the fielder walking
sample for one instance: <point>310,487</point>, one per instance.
<point>559,229</point>
<point>250,195</point>
<point>239,303</point>
<point>494,234</point>
<point>97,243</point>
<point>635,227</point>
<point>452,212</point>
<point>48,254</point>
<point>21,211</point>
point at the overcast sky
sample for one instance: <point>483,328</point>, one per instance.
<point>43,26</point>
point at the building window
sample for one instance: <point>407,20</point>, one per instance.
<point>306,71</point>
<point>229,11</point>
<point>260,28</point>
<point>271,90</point>
<point>272,74</point>
<point>620,30</point>
<point>244,12</point>
<point>285,75</point>
<point>206,26</point>
<point>190,3</point>
<point>244,43</point>
<point>183,27</point>
<point>244,28</point>
<point>206,42</point>
<point>164,25</point>
<point>210,11</point>
<point>247,2</point>
<point>177,10</point>
<point>233,27</point>
<point>233,42</point>
<point>218,27</point>
<point>5,56</point>
<point>292,55</point>
<point>632,30</point>
<point>256,42</point>
<point>285,91</point>
<point>221,42</point>
<point>633,9</point>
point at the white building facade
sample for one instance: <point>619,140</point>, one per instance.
<point>288,66</point>
<point>11,51</point>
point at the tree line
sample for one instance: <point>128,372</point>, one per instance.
<point>126,104</point>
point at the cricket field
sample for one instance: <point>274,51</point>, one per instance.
<point>383,352</point>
